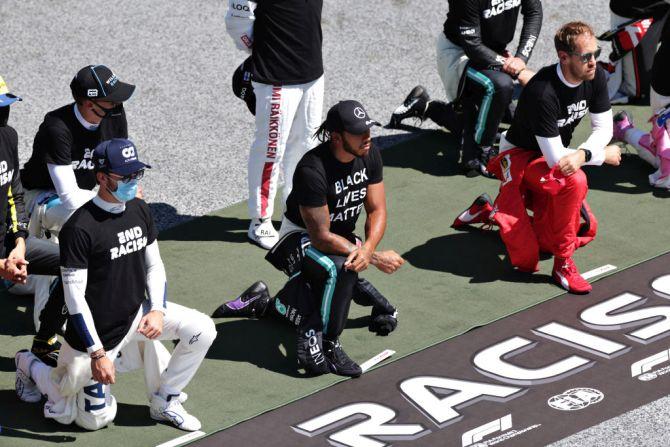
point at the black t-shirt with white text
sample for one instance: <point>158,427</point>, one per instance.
<point>62,140</point>
<point>549,108</point>
<point>320,179</point>
<point>112,248</point>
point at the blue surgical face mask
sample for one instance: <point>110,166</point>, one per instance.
<point>125,191</point>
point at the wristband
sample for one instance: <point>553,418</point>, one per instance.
<point>100,353</point>
<point>587,155</point>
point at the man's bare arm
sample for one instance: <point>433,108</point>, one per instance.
<point>375,208</point>
<point>317,222</point>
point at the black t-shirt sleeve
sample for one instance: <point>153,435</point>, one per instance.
<point>600,102</point>
<point>75,246</point>
<point>310,186</point>
<point>376,166</point>
<point>57,139</point>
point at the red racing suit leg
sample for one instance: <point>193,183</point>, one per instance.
<point>556,211</point>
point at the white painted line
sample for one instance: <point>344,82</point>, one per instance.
<point>183,439</point>
<point>386,353</point>
<point>598,271</point>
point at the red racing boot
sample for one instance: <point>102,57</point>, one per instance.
<point>478,212</point>
<point>566,275</point>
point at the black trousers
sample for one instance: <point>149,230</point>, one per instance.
<point>319,291</point>
<point>44,259</point>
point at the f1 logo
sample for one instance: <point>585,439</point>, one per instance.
<point>128,152</point>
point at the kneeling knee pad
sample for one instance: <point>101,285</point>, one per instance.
<point>96,407</point>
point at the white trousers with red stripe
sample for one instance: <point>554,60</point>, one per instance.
<point>286,119</point>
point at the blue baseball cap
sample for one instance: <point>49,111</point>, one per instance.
<point>6,98</point>
<point>118,156</point>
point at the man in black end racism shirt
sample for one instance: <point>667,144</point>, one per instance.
<point>63,147</point>
<point>319,251</point>
<point>537,167</point>
<point>24,255</point>
<point>110,263</point>
<point>286,73</point>
<point>60,169</point>
<point>474,62</point>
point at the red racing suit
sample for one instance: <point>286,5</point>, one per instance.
<point>557,203</point>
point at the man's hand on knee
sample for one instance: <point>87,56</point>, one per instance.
<point>103,370</point>
<point>388,261</point>
<point>513,66</point>
<point>151,325</point>
<point>613,155</point>
<point>571,163</point>
<point>359,259</point>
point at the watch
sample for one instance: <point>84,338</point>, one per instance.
<point>587,154</point>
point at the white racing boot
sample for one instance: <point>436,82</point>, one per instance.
<point>262,233</point>
<point>173,412</point>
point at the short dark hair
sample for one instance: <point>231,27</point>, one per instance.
<point>565,37</point>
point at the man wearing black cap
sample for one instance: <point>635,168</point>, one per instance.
<point>115,289</point>
<point>318,248</point>
<point>60,173</point>
<point>60,164</point>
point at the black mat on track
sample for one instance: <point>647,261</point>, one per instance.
<point>526,380</point>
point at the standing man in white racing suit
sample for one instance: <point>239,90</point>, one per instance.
<point>284,39</point>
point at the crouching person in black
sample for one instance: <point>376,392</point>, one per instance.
<point>318,249</point>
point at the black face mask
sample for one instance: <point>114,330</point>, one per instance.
<point>4,116</point>
<point>114,111</point>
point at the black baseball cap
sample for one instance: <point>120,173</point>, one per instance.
<point>99,82</point>
<point>349,116</point>
<point>118,156</point>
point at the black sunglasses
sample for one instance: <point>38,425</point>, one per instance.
<point>585,58</point>
<point>137,175</point>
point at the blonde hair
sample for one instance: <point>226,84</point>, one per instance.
<point>565,37</point>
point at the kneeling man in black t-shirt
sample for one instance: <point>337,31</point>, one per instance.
<point>110,262</point>
<point>319,250</point>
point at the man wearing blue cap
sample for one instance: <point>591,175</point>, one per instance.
<point>110,262</point>
<point>319,250</point>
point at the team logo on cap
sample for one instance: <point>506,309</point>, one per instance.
<point>128,152</point>
<point>359,113</point>
<point>112,80</point>
<point>92,92</point>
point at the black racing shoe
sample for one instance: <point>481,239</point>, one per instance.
<point>338,360</point>
<point>46,350</point>
<point>472,168</point>
<point>252,303</point>
<point>484,159</point>
<point>414,106</point>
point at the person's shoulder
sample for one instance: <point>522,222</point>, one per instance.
<point>10,133</point>
<point>543,84</point>
<point>80,219</point>
<point>314,158</point>
<point>601,76</point>
<point>58,120</point>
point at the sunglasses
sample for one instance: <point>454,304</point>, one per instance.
<point>585,58</point>
<point>137,175</point>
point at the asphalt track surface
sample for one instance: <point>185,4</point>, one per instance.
<point>188,125</point>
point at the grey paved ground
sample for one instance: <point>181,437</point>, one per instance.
<point>186,121</point>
